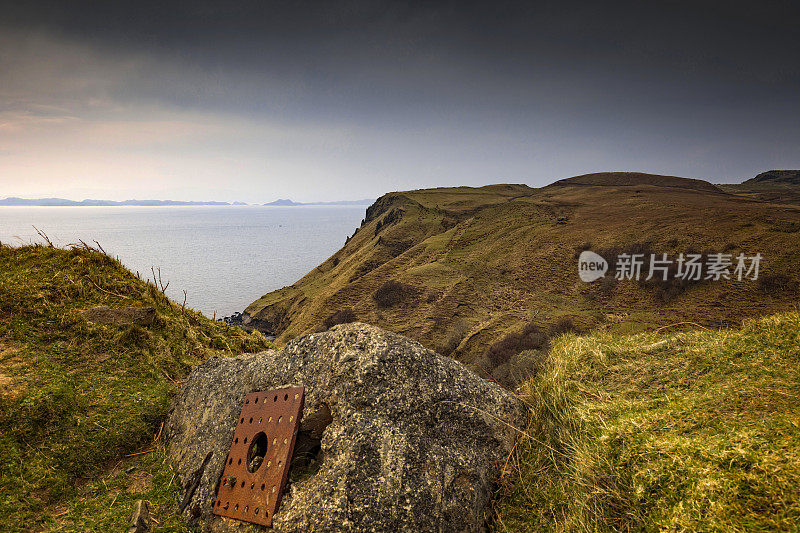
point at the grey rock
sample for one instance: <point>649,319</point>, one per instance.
<point>410,440</point>
<point>140,521</point>
<point>141,316</point>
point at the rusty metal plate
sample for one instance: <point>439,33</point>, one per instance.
<point>250,488</point>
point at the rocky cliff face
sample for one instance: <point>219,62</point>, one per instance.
<point>414,441</point>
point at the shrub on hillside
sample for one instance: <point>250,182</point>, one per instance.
<point>776,283</point>
<point>449,222</point>
<point>563,325</point>
<point>457,332</point>
<point>342,316</point>
<point>392,292</point>
<point>531,337</point>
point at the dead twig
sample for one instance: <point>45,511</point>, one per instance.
<point>44,236</point>
<point>140,453</point>
<point>511,453</point>
<point>160,429</point>
<point>167,376</point>
<point>183,307</point>
<point>159,283</point>
<point>100,248</point>
<point>105,291</point>
<point>682,324</point>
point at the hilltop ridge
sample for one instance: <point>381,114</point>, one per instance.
<point>791,177</point>
<point>631,179</point>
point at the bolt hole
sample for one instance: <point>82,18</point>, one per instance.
<point>245,440</point>
<point>256,400</point>
<point>285,397</point>
<point>275,399</point>
<point>251,420</point>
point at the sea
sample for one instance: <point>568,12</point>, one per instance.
<point>224,257</point>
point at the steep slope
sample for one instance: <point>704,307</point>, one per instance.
<point>473,265</point>
<point>81,403</point>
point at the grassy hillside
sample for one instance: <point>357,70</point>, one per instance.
<point>778,186</point>
<point>81,404</point>
<point>694,431</point>
<point>474,266</point>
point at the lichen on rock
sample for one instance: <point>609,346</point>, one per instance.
<point>411,440</point>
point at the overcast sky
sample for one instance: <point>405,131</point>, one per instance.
<point>254,101</point>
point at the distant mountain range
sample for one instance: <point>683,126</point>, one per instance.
<point>56,202</point>
<point>290,203</point>
<point>64,202</point>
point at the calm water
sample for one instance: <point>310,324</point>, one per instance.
<point>223,257</point>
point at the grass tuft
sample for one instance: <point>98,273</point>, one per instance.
<point>695,431</point>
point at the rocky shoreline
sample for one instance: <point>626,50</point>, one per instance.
<point>246,322</point>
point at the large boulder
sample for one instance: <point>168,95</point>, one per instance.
<point>410,440</point>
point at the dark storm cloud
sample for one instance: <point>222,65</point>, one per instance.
<point>435,92</point>
<point>389,50</point>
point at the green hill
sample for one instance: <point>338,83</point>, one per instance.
<point>460,269</point>
<point>81,404</point>
<point>693,431</point>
